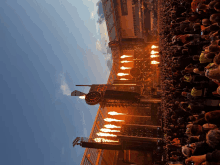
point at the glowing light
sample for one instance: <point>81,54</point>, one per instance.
<point>154,62</point>
<point>154,52</point>
<point>115,113</point>
<point>123,79</point>
<point>105,134</point>
<point>124,56</point>
<point>108,130</point>
<point>105,140</point>
<point>153,47</point>
<point>124,68</point>
<point>82,97</point>
<point>111,126</point>
<point>110,119</point>
<point>122,74</point>
<point>125,61</point>
<point>152,56</point>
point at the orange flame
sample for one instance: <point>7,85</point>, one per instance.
<point>154,52</point>
<point>110,119</point>
<point>153,47</point>
<point>154,62</point>
<point>111,126</point>
<point>152,56</point>
<point>123,79</point>
<point>108,130</point>
<point>122,74</point>
<point>104,140</point>
<point>105,134</point>
<point>115,113</point>
<point>124,56</point>
<point>124,68</point>
<point>82,97</point>
<point>125,61</point>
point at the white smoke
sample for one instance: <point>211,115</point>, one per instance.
<point>64,86</point>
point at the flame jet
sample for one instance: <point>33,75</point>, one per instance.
<point>124,56</point>
<point>108,130</point>
<point>111,126</point>
<point>110,120</point>
<point>125,61</point>
<point>154,62</point>
<point>124,68</point>
<point>82,97</point>
<point>122,74</point>
<point>154,52</point>
<point>104,140</point>
<point>105,134</point>
<point>152,56</point>
<point>115,113</point>
<point>153,47</point>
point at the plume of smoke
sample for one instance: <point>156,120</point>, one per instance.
<point>64,86</point>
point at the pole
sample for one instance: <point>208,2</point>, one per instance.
<point>84,85</point>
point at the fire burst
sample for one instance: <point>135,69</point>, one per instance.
<point>154,52</point>
<point>152,56</point>
<point>108,130</point>
<point>104,140</point>
<point>111,126</point>
<point>124,68</point>
<point>124,56</point>
<point>125,61</point>
<point>122,74</point>
<point>82,97</point>
<point>154,62</point>
<point>106,134</point>
<point>110,119</point>
<point>123,79</point>
<point>115,113</point>
<point>153,47</point>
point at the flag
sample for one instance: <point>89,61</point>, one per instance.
<point>77,93</point>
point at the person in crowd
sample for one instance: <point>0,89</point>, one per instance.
<point>190,79</point>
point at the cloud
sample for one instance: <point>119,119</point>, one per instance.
<point>102,45</point>
<point>104,32</point>
<point>65,89</point>
<point>98,45</point>
<point>100,12</point>
<point>64,86</point>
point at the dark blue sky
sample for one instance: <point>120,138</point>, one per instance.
<point>47,47</point>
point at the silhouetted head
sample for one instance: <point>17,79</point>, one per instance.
<point>213,138</point>
<point>216,59</point>
<point>205,22</point>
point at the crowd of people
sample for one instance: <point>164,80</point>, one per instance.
<point>190,74</point>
